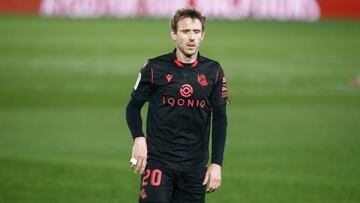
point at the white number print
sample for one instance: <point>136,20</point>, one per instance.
<point>137,81</point>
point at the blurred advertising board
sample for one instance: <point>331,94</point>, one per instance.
<point>346,9</point>
<point>302,10</point>
<point>20,6</point>
<point>307,10</point>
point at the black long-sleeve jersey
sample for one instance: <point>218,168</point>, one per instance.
<point>181,98</point>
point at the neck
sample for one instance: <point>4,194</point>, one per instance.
<point>184,58</point>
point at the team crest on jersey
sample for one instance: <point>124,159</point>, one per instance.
<point>202,80</point>
<point>168,77</point>
<point>143,194</point>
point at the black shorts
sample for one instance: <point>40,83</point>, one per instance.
<point>160,185</point>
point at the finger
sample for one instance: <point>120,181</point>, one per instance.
<point>210,187</point>
<point>143,167</point>
<point>206,179</point>
<point>213,185</point>
<point>138,165</point>
<point>133,162</point>
<point>210,190</point>
<point>216,186</point>
<point>218,183</point>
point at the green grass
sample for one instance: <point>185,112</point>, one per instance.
<point>294,118</point>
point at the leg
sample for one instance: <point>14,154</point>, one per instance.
<point>156,184</point>
<point>189,188</point>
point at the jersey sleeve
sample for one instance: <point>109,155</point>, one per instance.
<point>219,95</point>
<point>143,86</point>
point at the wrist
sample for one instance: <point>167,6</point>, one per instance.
<point>134,136</point>
<point>139,139</point>
<point>216,165</point>
<point>216,161</point>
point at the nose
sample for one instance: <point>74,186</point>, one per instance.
<point>192,36</point>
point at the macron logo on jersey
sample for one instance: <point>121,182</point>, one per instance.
<point>168,77</point>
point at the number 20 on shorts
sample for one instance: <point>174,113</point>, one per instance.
<point>154,175</point>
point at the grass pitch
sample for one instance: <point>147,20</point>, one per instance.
<point>294,118</point>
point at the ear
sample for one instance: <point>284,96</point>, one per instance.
<point>173,35</point>
<point>203,35</point>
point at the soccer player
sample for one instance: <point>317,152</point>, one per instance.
<point>186,92</point>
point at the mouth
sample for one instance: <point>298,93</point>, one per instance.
<point>191,46</point>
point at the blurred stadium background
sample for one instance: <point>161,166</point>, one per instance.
<point>293,71</point>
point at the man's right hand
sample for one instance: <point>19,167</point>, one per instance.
<point>139,152</point>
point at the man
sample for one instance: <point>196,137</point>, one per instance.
<point>183,89</point>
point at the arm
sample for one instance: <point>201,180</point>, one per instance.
<point>134,121</point>
<point>213,174</point>
<point>218,134</point>
<point>133,118</point>
<point>219,100</point>
<point>141,93</point>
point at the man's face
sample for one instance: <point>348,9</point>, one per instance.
<point>188,36</point>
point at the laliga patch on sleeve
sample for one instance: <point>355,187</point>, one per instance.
<point>137,81</point>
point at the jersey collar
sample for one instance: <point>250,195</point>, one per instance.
<point>180,64</point>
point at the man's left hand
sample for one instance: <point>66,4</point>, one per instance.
<point>213,177</point>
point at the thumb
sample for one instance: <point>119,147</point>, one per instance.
<point>206,178</point>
